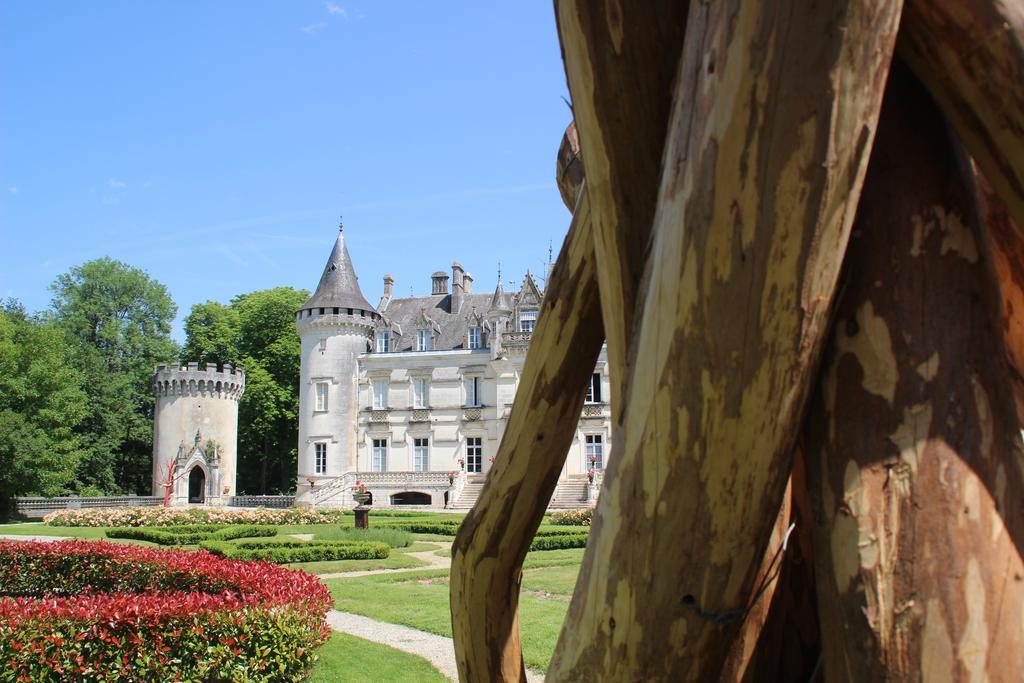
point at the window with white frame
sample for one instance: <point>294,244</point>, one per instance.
<point>595,451</point>
<point>422,340</point>
<point>420,393</point>
<point>379,459</point>
<point>321,396</point>
<point>473,395</point>
<point>474,454</point>
<point>474,337</point>
<point>594,388</point>
<point>320,457</point>
<point>383,341</point>
<point>527,320</point>
<point>380,394</point>
<point>420,455</point>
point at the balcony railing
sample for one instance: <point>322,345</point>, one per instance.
<point>595,410</point>
<point>472,414</point>
<point>378,415</point>
<point>420,415</point>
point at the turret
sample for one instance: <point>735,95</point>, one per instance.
<point>334,326</point>
<point>195,428</point>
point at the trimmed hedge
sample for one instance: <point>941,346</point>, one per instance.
<point>283,552</point>
<point>190,535</point>
<point>100,611</point>
<point>441,528</point>
<point>560,541</point>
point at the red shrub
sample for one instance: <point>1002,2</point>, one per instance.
<point>102,611</point>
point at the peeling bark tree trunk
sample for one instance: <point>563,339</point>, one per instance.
<point>611,49</point>
<point>970,54</point>
<point>488,552</point>
<point>569,167</point>
<point>914,458</point>
<point>772,122</point>
<point>784,644</point>
<point>1005,241</point>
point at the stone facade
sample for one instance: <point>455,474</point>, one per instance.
<point>412,398</point>
<point>195,429</point>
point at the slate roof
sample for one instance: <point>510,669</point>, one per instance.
<point>339,286</point>
<point>449,329</point>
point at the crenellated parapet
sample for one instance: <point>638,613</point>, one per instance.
<point>192,380</point>
<point>360,320</point>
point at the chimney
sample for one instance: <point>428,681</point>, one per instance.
<point>467,283</point>
<point>439,282</point>
<point>385,299</point>
<point>458,293</point>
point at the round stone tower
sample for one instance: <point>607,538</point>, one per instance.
<point>335,326</point>
<point>195,432</point>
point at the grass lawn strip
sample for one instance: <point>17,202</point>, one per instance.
<point>348,659</point>
<point>420,600</point>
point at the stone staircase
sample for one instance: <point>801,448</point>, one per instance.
<point>570,494</point>
<point>470,492</point>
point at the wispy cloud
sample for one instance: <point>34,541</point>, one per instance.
<point>13,190</point>
<point>110,201</point>
<point>335,8</point>
<point>313,28</point>
<point>117,184</point>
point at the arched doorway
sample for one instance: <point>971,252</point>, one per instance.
<point>196,485</point>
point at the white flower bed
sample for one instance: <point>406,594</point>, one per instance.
<point>173,516</point>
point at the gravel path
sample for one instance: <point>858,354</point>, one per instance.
<point>23,537</point>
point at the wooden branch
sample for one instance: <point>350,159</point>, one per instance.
<point>970,55</point>
<point>609,50</point>
<point>492,542</point>
<point>913,450</point>
<point>772,123</point>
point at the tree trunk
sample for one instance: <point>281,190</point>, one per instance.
<point>914,457</point>
<point>488,552</point>
<point>970,55</point>
<point>784,641</point>
<point>610,49</point>
<point>772,123</point>
<point>1005,241</point>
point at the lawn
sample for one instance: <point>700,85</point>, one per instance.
<point>346,658</point>
<point>420,600</point>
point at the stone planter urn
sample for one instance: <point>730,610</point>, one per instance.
<point>362,498</point>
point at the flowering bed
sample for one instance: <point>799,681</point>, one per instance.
<point>152,516</point>
<point>573,517</point>
<point>96,611</point>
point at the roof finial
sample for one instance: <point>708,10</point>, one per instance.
<point>341,224</point>
<point>499,272</point>
<point>549,252</point>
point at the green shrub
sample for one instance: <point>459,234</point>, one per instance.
<point>580,517</point>
<point>442,528</point>
<point>283,552</point>
<point>190,534</point>
<point>567,540</point>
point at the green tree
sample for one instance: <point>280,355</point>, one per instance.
<point>41,403</point>
<point>118,320</point>
<point>257,332</point>
<point>211,333</point>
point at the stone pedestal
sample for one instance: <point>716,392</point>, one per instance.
<point>362,517</point>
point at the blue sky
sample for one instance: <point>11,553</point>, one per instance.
<point>215,144</point>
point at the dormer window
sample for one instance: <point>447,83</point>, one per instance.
<point>383,341</point>
<point>527,320</point>
<point>422,340</point>
<point>474,337</point>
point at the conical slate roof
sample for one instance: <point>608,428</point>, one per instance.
<point>339,285</point>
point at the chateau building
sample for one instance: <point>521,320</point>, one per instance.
<point>411,397</point>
